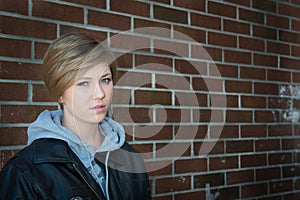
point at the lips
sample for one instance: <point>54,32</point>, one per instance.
<point>99,108</point>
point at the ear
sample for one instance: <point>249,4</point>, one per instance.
<point>60,100</point>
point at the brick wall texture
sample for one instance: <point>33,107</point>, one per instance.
<point>208,90</point>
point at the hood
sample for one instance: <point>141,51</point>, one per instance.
<point>48,125</point>
<point>114,135</point>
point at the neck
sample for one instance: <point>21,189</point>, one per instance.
<point>87,132</point>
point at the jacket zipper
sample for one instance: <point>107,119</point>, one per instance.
<point>78,171</point>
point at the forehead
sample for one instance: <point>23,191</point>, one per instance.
<point>97,70</point>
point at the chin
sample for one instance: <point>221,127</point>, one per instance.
<point>100,117</point>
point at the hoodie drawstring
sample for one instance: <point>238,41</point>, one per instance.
<point>106,175</point>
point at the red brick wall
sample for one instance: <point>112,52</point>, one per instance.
<point>171,94</point>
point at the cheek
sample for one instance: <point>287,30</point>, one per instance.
<point>68,95</point>
<point>109,95</point>
<point>111,92</point>
<point>78,97</point>
<point>82,93</point>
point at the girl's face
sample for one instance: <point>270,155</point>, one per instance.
<point>89,99</point>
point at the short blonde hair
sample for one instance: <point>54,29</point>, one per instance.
<point>68,55</point>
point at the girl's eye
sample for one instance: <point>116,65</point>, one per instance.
<point>106,80</point>
<point>84,83</point>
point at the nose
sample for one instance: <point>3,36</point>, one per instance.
<point>99,92</point>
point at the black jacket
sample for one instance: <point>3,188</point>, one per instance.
<point>48,169</point>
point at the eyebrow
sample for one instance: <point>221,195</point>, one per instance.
<point>107,74</point>
<point>84,78</point>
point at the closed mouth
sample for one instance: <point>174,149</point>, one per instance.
<point>99,108</point>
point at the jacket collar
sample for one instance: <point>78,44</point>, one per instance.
<point>52,150</point>
<point>125,159</point>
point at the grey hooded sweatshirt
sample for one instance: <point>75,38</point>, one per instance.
<point>48,125</point>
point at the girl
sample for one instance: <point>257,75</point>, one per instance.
<point>76,152</point>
